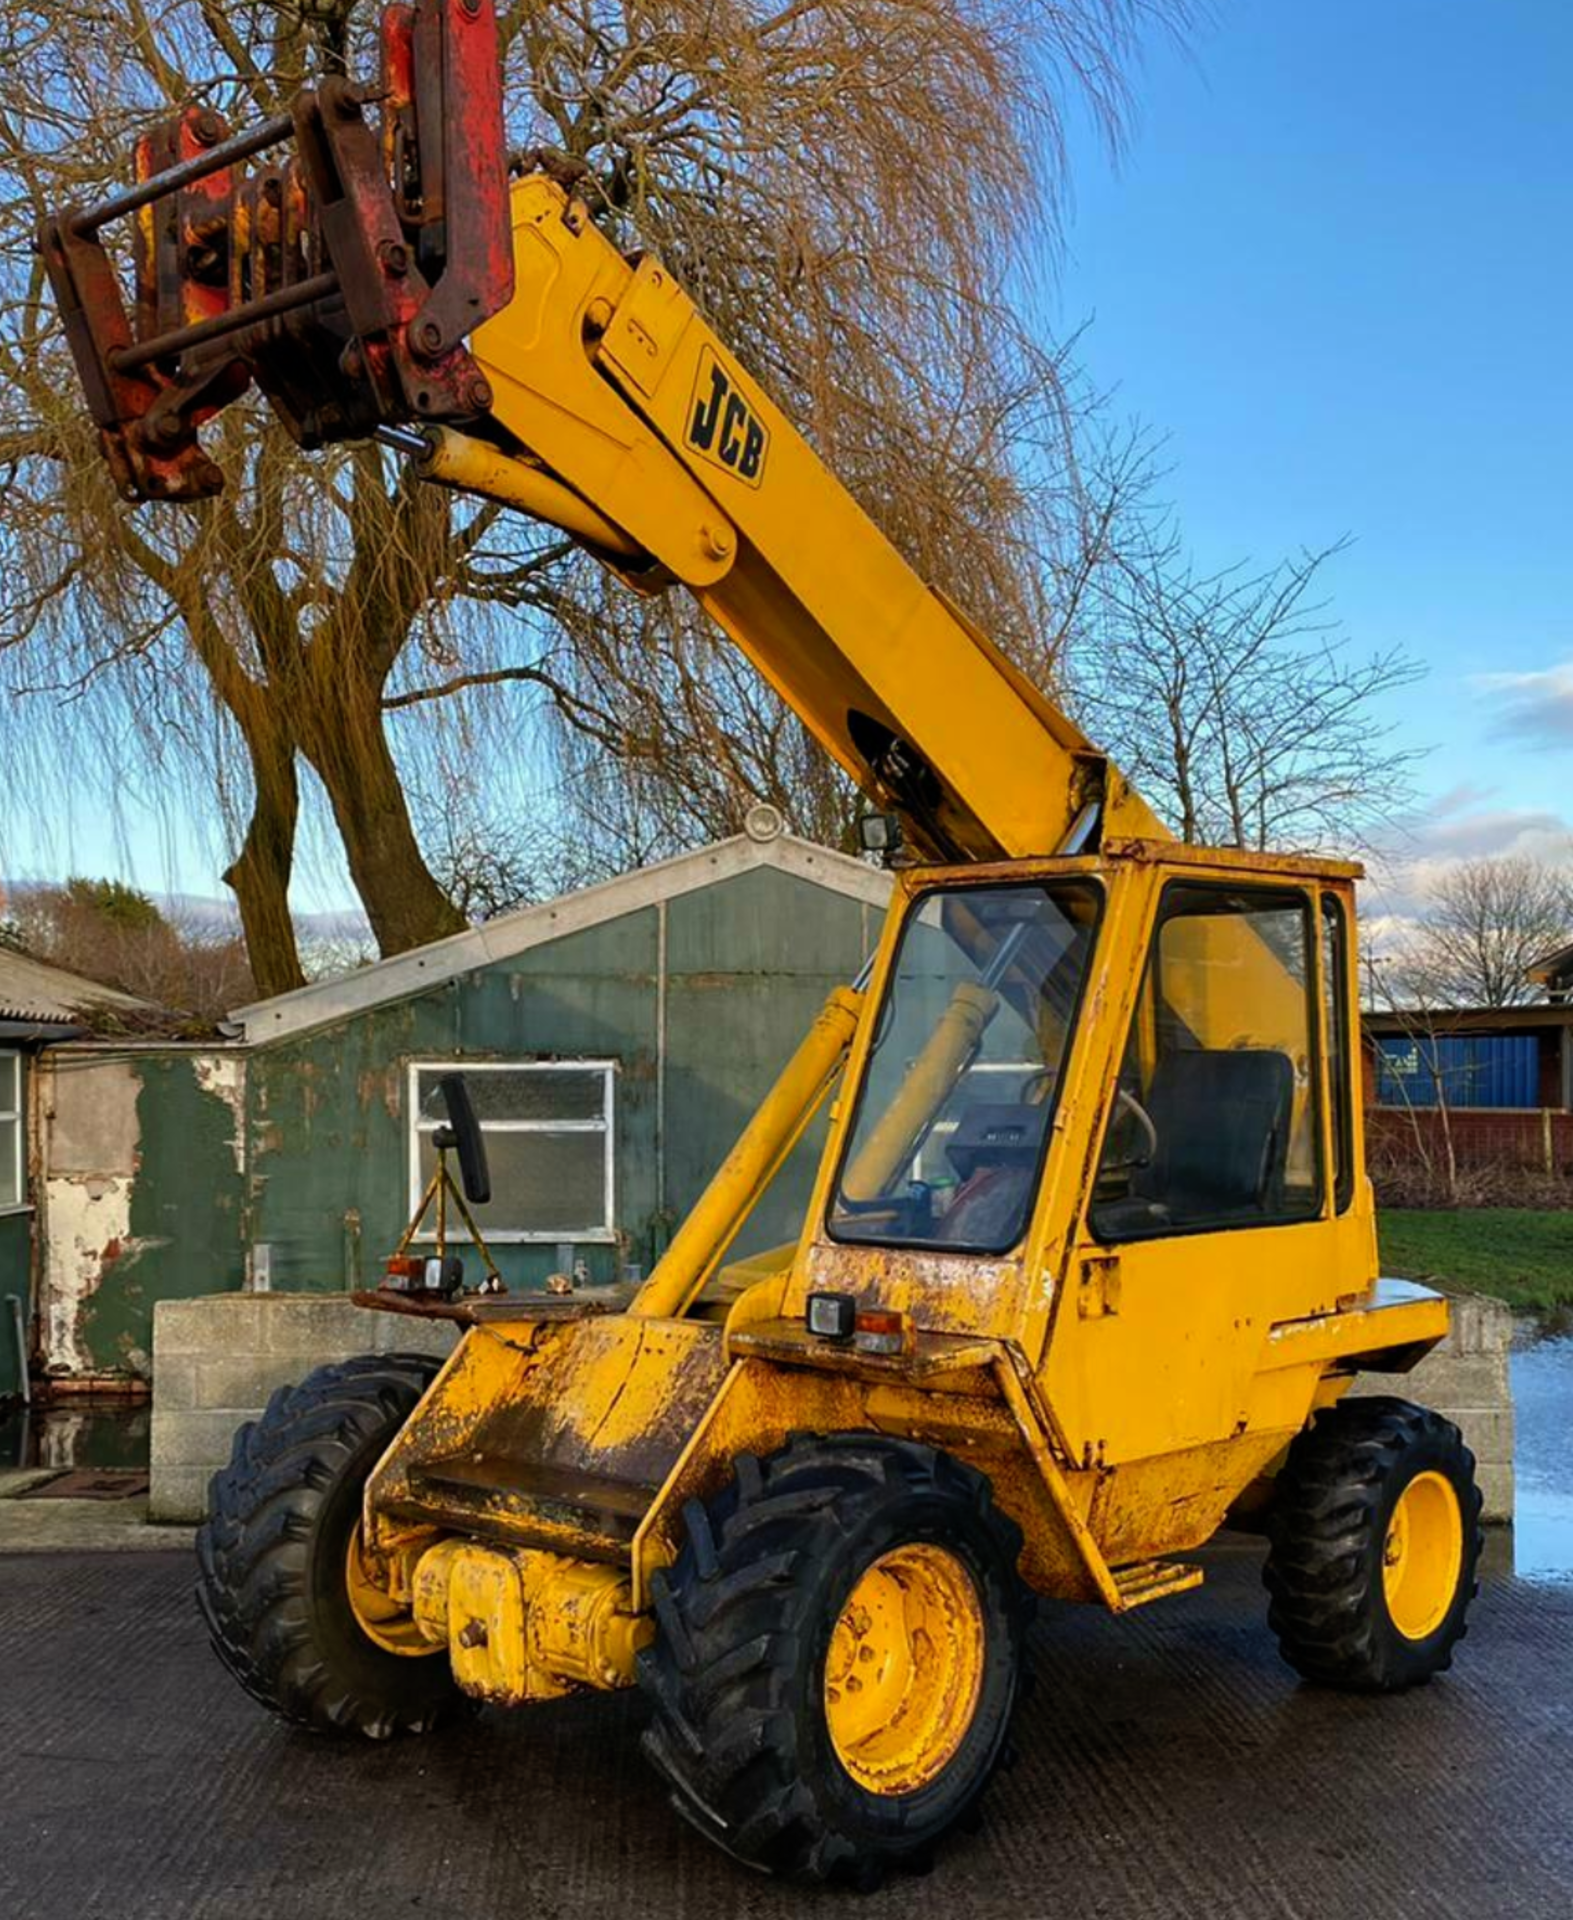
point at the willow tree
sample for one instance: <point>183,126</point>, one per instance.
<point>858,192</point>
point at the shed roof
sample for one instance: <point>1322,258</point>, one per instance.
<point>36,995</point>
<point>408,974</point>
<point>1539,1017</point>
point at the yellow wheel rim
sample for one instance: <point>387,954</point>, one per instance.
<point>905,1669</point>
<point>378,1615</point>
<point>1423,1555</point>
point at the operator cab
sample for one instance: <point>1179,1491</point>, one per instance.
<point>1212,1117</point>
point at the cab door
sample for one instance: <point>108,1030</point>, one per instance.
<point>1206,1220</point>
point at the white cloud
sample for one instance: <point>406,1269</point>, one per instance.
<point>1420,851</point>
<point>1533,707</point>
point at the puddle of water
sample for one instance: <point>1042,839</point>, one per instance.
<point>1542,1366</point>
<point>95,1434</point>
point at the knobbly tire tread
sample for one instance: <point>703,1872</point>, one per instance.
<point>744,1616</point>
<point>275,1538</point>
<point>1327,1529</point>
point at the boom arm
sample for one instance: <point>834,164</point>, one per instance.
<point>569,381</point>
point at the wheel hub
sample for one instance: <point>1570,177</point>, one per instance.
<point>905,1669</point>
<point>378,1615</point>
<point>1422,1555</point>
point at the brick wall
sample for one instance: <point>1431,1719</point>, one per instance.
<point>1531,1140</point>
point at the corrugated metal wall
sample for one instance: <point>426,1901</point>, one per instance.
<point>1474,1070</point>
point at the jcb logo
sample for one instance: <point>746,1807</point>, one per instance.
<point>723,426</point>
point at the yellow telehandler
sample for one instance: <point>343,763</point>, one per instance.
<point>1090,1262</point>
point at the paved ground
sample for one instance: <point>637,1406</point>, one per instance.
<point>48,1526</point>
<point>1170,1767</point>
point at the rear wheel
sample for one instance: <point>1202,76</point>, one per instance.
<point>289,1603</point>
<point>838,1655</point>
<point>1375,1537</point>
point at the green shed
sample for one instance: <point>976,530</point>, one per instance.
<point>615,1039</point>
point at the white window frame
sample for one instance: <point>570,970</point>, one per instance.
<point>17,1115</point>
<point>605,1235</point>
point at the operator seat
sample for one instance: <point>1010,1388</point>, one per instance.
<point>1222,1120</point>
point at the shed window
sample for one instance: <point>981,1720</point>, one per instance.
<point>548,1132</point>
<point>12,1172</point>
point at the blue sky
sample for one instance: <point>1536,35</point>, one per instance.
<point>1335,267</point>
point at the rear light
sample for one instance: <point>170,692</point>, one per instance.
<point>880,1330</point>
<point>423,1273</point>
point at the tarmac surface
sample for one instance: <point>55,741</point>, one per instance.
<point>1170,1766</point>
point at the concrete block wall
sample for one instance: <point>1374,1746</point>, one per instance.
<point>1467,1378</point>
<point>216,1362</point>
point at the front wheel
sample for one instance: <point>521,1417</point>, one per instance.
<point>838,1655</point>
<point>290,1609</point>
<point>1375,1537</point>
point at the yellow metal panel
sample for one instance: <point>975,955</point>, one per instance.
<point>1174,1501</point>
<point>1172,1366</point>
<point>546,390</point>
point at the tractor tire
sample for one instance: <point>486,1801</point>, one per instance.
<point>274,1555</point>
<point>843,1565</point>
<point>1375,1538</point>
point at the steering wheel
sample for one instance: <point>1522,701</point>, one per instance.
<point>1126,1104</point>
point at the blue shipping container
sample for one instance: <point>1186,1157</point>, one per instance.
<point>1475,1069</point>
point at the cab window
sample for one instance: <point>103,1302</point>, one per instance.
<point>952,1121</point>
<point>1215,1121</point>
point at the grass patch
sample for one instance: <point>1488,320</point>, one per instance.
<point>1522,1255</point>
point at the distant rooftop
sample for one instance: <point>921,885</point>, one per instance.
<point>1534,1015</point>
<point>35,995</point>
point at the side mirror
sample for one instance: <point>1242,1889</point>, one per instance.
<point>463,1134</point>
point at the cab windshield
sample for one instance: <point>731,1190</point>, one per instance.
<point>948,1139</point>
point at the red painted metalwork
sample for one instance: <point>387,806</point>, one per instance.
<point>343,278</point>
